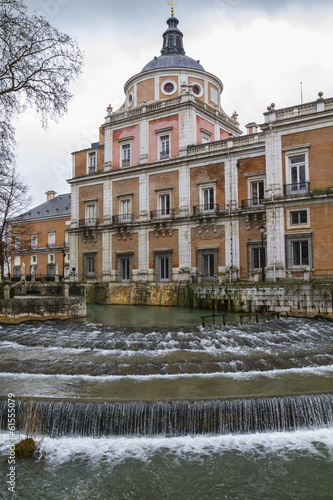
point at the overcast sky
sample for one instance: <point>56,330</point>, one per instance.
<point>260,49</point>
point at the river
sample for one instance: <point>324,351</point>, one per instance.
<point>144,403</point>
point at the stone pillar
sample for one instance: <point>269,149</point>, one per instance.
<point>66,290</point>
<point>6,292</point>
<point>56,276</point>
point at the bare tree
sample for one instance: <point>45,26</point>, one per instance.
<point>37,64</point>
<point>14,201</point>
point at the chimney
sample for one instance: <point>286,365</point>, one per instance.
<point>50,195</point>
<point>252,128</point>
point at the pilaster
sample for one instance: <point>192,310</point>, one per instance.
<point>143,197</point>
<point>107,201</point>
<point>184,190</point>
<point>108,138</point>
<point>106,256</point>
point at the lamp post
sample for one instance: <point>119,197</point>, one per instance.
<point>262,234</point>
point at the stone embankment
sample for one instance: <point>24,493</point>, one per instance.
<point>36,302</point>
<point>286,298</point>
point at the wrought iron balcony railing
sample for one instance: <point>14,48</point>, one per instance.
<point>209,208</point>
<point>164,155</point>
<point>123,219</point>
<point>252,203</point>
<point>297,188</point>
<point>88,222</point>
<point>162,214</point>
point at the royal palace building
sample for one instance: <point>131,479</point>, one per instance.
<point>174,191</point>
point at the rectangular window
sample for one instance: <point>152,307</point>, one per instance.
<point>125,207</point>
<point>90,265</point>
<point>125,269</point>
<point>17,242</point>
<point>164,204</point>
<point>91,213</point>
<point>257,192</point>
<point>17,271</point>
<point>163,266</point>
<point>126,155</point>
<point>51,270</point>
<point>164,146</point>
<point>51,239</point>
<point>164,269</point>
<point>207,262</point>
<point>66,239</point>
<point>300,253</point>
<point>299,250</point>
<point>34,259</point>
<point>92,162</point>
<point>208,265</point>
<point>297,172</point>
<point>51,258</point>
<point>34,241</point>
<point>207,195</point>
<point>299,217</point>
<point>258,258</point>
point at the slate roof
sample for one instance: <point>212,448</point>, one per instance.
<point>173,61</point>
<point>57,206</point>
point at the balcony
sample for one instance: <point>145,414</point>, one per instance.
<point>296,189</point>
<point>88,222</point>
<point>123,219</point>
<point>206,209</point>
<point>253,203</point>
<point>126,163</point>
<point>162,214</point>
<point>164,155</point>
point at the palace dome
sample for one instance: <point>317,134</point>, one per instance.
<point>172,53</point>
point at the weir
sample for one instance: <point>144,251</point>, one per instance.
<point>179,418</point>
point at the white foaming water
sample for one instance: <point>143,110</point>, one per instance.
<point>316,370</point>
<point>64,350</point>
<point>115,450</point>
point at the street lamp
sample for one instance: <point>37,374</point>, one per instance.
<point>262,234</point>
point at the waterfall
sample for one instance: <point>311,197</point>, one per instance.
<point>178,418</point>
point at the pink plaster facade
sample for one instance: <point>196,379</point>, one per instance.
<point>204,125</point>
<point>223,134</point>
<point>133,135</point>
<point>171,125</point>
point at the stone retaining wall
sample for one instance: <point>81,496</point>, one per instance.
<point>291,299</point>
<point>18,310</point>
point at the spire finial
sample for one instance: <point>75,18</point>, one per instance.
<point>171,2</point>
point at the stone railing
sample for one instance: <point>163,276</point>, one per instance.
<point>225,144</point>
<point>300,110</point>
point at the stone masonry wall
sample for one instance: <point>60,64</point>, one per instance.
<point>289,299</point>
<point>22,309</point>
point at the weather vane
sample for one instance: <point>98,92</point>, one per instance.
<point>171,2</point>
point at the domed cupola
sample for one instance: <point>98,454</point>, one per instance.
<point>172,74</point>
<point>172,53</point>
